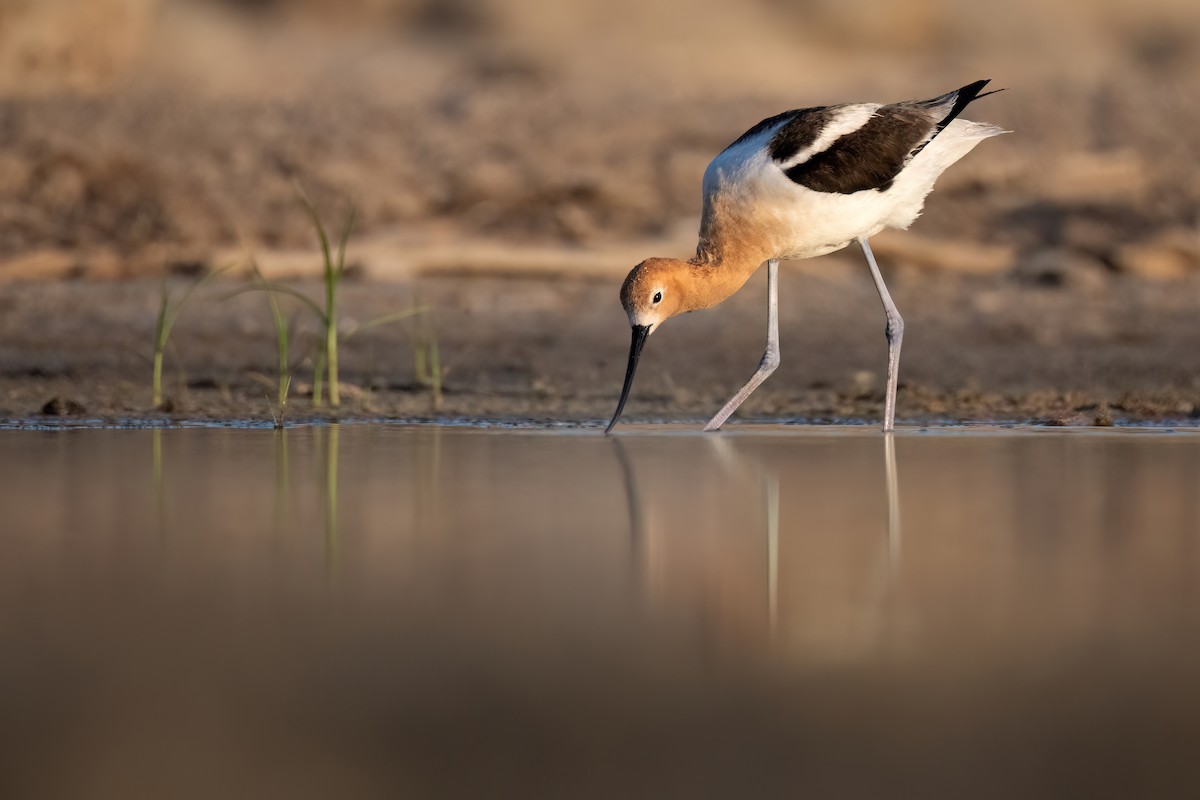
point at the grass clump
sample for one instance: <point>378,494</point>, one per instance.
<point>282,340</point>
<point>333,270</point>
<point>427,360</point>
<point>325,364</point>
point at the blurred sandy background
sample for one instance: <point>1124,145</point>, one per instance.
<point>509,136</point>
<point>136,133</point>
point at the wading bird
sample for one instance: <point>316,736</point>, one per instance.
<point>800,184</point>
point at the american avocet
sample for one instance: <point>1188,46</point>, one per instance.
<point>800,184</point>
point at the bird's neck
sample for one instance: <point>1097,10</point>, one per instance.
<point>721,267</point>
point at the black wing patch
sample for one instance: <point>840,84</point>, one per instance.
<point>868,158</point>
<point>804,128</point>
<point>872,156</point>
<point>801,127</point>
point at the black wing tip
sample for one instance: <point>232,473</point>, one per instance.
<point>961,99</point>
<point>964,97</point>
<point>972,90</point>
<point>970,93</point>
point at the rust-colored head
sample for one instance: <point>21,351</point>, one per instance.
<point>655,291</point>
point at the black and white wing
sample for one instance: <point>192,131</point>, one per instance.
<point>855,147</point>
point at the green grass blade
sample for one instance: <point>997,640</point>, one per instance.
<point>386,319</point>
<point>331,359</point>
<point>173,311</point>
<point>156,380</point>
<point>347,227</point>
<point>161,331</point>
<point>280,288</point>
<point>281,339</point>
<point>319,377</point>
<point>316,221</point>
<point>164,301</point>
<point>435,372</point>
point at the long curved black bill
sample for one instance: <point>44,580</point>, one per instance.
<point>640,332</point>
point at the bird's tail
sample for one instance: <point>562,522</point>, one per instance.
<point>951,104</point>
<point>955,102</point>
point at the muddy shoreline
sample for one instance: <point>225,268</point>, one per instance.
<point>549,349</point>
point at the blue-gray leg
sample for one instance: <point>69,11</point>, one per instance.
<point>895,337</point>
<point>770,359</point>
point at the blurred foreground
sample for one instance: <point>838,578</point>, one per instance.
<point>365,612</point>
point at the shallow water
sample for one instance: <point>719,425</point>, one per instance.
<point>382,611</point>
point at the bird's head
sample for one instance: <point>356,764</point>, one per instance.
<point>653,293</point>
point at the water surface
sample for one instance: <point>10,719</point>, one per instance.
<point>383,611</point>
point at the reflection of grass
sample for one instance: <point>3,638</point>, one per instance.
<point>332,534</point>
<point>283,479</point>
<point>160,483</point>
<point>168,313</point>
<point>426,455</point>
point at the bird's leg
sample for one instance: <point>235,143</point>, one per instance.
<point>895,337</point>
<point>770,359</point>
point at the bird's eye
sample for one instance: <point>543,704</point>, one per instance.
<point>658,297</point>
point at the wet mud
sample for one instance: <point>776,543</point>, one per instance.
<point>555,349</point>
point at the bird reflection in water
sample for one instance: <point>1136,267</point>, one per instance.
<point>719,549</point>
